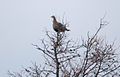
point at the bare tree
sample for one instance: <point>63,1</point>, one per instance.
<point>66,58</point>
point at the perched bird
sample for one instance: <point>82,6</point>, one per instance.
<point>58,27</point>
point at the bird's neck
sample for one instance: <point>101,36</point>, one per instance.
<point>54,21</point>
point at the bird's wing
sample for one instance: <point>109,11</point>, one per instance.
<point>61,27</point>
<point>59,24</point>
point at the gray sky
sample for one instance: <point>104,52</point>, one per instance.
<point>23,22</point>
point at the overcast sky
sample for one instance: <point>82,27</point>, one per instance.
<point>23,22</point>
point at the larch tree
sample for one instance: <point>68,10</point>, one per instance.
<point>92,57</point>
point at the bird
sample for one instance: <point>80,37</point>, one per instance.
<point>58,27</point>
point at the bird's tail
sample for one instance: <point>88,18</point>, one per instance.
<point>67,29</point>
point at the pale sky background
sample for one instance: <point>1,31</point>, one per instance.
<point>23,22</point>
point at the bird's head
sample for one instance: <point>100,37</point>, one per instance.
<point>53,17</point>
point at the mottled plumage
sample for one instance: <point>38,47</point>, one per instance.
<point>58,27</point>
